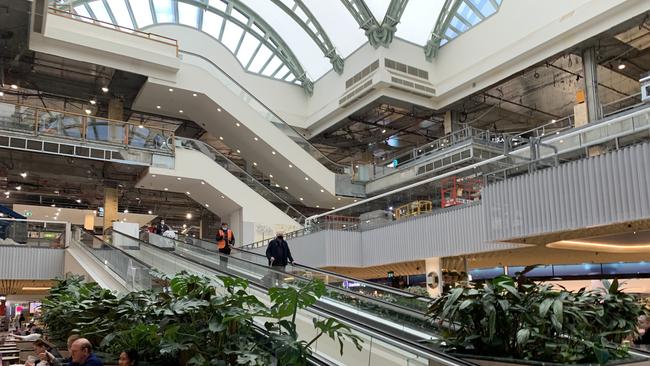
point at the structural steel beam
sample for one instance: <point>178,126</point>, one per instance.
<point>378,34</point>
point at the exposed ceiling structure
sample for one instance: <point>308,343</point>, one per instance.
<point>25,287</point>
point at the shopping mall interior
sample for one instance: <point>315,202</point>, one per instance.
<point>439,169</point>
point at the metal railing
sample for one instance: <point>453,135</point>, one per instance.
<point>66,10</point>
<point>34,233</point>
<point>68,125</point>
<point>242,175</point>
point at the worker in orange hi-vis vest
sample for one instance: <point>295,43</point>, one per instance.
<point>225,240</point>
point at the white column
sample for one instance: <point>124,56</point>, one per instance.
<point>434,276</point>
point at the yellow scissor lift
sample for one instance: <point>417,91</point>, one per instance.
<point>413,209</point>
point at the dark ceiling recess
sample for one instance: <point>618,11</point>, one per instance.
<point>14,34</point>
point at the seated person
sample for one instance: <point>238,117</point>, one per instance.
<point>128,358</point>
<point>643,326</point>
<point>71,339</point>
<point>46,353</point>
<point>82,354</point>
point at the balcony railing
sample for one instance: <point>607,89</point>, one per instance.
<point>68,125</point>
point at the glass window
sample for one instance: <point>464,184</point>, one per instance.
<point>188,14</point>
<point>458,24</point>
<point>141,13</point>
<point>416,14</point>
<point>218,4</point>
<point>239,16</point>
<point>212,23</point>
<point>283,73</point>
<point>248,46</point>
<point>232,33</point>
<point>273,65</point>
<point>485,7</point>
<point>340,26</point>
<point>81,10</point>
<point>121,13</point>
<point>263,55</point>
<point>378,8</point>
<point>100,11</point>
<point>164,11</point>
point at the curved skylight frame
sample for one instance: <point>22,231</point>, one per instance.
<point>456,18</point>
<point>247,26</point>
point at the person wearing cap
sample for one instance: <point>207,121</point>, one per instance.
<point>279,255</point>
<point>225,241</point>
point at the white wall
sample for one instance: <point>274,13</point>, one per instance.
<point>30,263</point>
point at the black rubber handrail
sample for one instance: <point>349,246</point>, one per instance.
<point>359,325</point>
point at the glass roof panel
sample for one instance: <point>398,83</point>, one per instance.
<point>485,7</point>
<point>416,14</point>
<point>263,55</point>
<point>378,8</point>
<point>121,13</point>
<point>164,11</point>
<point>188,14</point>
<point>81,10</point>
<point>248,46</point>
<point>100,11</point>
<point>212,23</point>
<point>305,49</point>
<point>339,24</point>
<point>458,24</point>
<point>284,70</point>
<point>273,65</point>
<point>239,16</point>
<point>141,12</point>
<point>218,4</point>
<point>232,33</point>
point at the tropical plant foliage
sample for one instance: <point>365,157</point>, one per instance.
<point>194,322</point>
<point>517,318</point>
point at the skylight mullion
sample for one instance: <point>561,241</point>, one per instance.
<point>241,39</point>
<point>267,62</point>
<point>494,5</point>
<point>471,5</point>
<point>465,21</point>
<point>225,20</point>
<point>276,70</point>
<point>131,15</point>
<point>199,18</point>
<point>286,75</point>
<point>247,28</point>
<point>153,12</point>
<point>110,12</point>
<point>90,11</point>
<point>175,12</point>
<point>253,57</point>
<point>456,30</point>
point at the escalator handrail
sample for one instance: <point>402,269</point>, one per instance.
<point>391,306</point>
<point>240,170</point>
<point>356,324</point>
<point>330,273</point>
<point>263,105</point>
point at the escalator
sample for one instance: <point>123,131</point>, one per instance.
<point>394,333</point>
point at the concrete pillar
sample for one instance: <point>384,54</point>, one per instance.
<point>590,70</point>
<point>110,207</point>
<point>116,132</point>
<point>116,109</point>
<point>89,222</point>
<point>451,122</point>
<point>434,276</point>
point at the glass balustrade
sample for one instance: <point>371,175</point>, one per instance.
<point>33,233</point>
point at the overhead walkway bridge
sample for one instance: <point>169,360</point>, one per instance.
<point>391,323</point>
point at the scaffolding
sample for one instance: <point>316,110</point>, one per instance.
<point>413,209</point>
<point>458,191</point>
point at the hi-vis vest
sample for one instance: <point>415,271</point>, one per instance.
<point>222,243</point>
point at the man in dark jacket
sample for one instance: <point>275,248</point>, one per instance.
<point>279,255</point>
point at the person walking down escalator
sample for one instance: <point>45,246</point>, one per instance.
<point>279,255</point>
<point>225,241</point>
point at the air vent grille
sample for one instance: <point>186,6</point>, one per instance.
<point>413,85</point>
<point>413,71</point>
<point>355,93</point>
<point>362,74</point>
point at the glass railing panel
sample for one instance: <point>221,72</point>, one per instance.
<point>17,117</point>
<point>60,124</point>
<point>100,129</point>
<point>620,126</point>
<point>641,120</point>
<point>135,273</point>
<point>33,233</point>
<point>150,138</point>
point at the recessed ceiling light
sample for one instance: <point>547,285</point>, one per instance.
<point>322,190</point>
<point>179,178</point>
<point>221,138</point>
<point>153,175</point>
<point>194,94</point>
<point>184,226</point>
<point>237,124</point>
<point>137,198</point>
<point>157,107</point>
<point>180,111</point>
<point>355,201</point>
<point>218,109</point>
<point>93,101</point>
<point>166,189</point>
<point>53,205</point>
<point>333,208</point>
<point>285,187</point>
<point>187,193</point>
<point>78,201</point>
<point>301,198</point>
<point>277,185</point>
<point>95,212</point>
<point>621,66</point>
<point>23,174</point>
<point>255,138</point>
<point>140,126</point>
<point>553,121</point>
<point>105,89</point>
<point>270,175</point>
<point>88,111</point>
<point>317,206</point>
<point>223,197</point>
<point>254,163</point>
<point>290,166</point>
<point>306,178</point>
<point>18,188</point>
<point>202,182</point>
<point>150,212</point>
<point>7,193</point>
<point>338,198</point>
<point>14,86</point>
<point>238,152</point>
<point>273,152</point>
<point>390,208</point>
<point>126,210</point>
<point>206,205</point>
<point>383,131</point>
<point>171,89</point>
<point>2,94</point>
<point>189,215</point>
